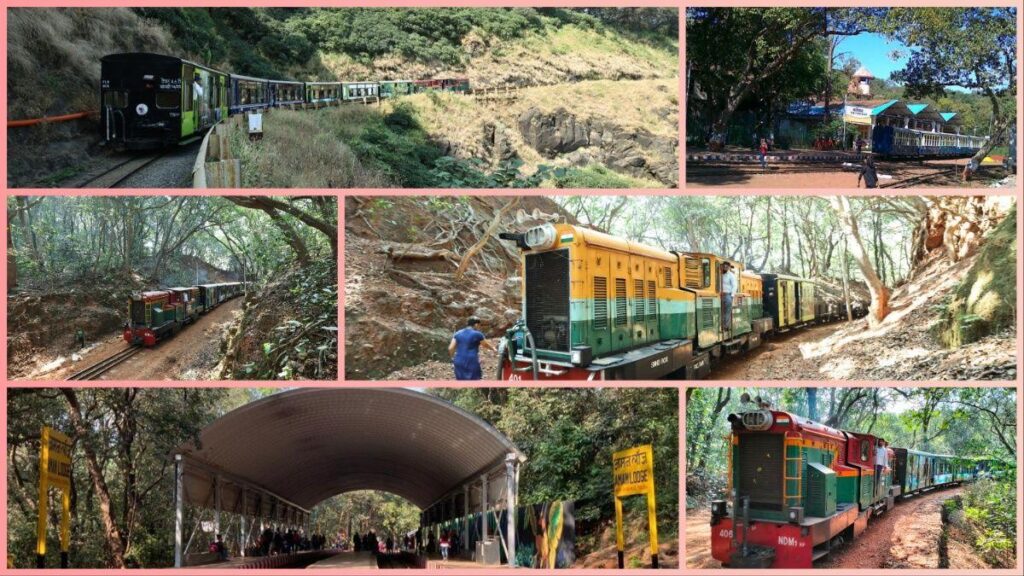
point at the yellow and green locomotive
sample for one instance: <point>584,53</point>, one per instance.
<point>595,306</point>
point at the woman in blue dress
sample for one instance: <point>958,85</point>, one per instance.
<point>464,350</point>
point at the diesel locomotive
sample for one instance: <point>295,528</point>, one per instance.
<point>153,315</point>
<point>152,100</point>
<point>600,307</point>
<point>798,487</point>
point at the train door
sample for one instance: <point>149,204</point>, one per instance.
<point>598,267</point>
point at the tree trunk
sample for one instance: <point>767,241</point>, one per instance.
<point>846,281</point>
<point>111,532</point>
<point>879,293</point>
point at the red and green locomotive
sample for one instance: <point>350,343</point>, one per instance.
<point>799,487</point>
<point>156,314</point>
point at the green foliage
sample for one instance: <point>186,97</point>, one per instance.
<point>365,510</point>
<point>983,303</point>
<point>596,176</point>
<point>132,431</point>
<point>569,435</point>
<point>990,509</point>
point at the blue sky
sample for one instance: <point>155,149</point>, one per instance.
<point>873,51</point>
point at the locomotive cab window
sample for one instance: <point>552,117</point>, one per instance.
<point>705,267</point>
<point>167,100</point>
<point>865,448</point>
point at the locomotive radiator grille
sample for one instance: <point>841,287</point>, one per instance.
<point>600,303</point>
<point>547,299</point>
<point>620,301</point>
<point>652,300</point>
<point>759,461</point>
<point>638,300</point>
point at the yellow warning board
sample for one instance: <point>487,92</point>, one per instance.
<point>633,472</point>
<point>55,471</point>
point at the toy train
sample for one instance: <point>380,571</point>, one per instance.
<point>600,307</point>
<point>893,142</point>
<point>156,314</point>
<point>799,487</point>
<point>151,100</point>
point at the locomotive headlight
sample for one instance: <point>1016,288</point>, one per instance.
<point>141,109</point>
<point>541,236</point>
<point>758,420</point>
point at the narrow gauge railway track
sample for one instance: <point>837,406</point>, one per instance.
<point>121,171</point>
<point>96,370</point>
<point>921,179</point>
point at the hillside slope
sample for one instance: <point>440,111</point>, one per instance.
<point>53,58</point>
<point>403,301</point>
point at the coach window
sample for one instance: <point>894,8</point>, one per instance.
<point>186,88</point>
<point>167,100</point>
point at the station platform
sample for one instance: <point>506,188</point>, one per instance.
<point>343,560</point>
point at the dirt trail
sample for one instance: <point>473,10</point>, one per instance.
<point>191,354</point>
<point>698,539</point>
<point>905,537</point>
<point>779,357</point>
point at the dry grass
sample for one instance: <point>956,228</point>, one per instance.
<point>557,56</point>
<point>630,104</point>
<point>53,55</point>
<point>306,149</point>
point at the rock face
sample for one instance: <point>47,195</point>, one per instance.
<point>636,152</point>
<point>496,142</point>
<point>553,133</point>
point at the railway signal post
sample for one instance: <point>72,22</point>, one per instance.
<point>633,471</point>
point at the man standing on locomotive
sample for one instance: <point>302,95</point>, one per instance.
<point>464,350</point>
<point>728,291</point>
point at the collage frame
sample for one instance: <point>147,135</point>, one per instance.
<point>342,195</point>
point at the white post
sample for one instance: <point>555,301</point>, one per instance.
<point>216,506</point>
<point>483,506</point>
<point>465,510</point>
<point>242,534</point>
<point>511,497</point>
<point>179,508</point>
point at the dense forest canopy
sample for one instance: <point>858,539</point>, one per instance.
<point>58,240</point>
<point>122,474</point>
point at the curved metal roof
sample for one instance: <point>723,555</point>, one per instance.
<point>309,444</point>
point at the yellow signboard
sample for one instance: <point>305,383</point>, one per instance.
<point>55,471</point>
<point>633,472</point>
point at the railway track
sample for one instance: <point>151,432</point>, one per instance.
<point>921,179</point>
<point>121,171</point>
<point>96,370</point>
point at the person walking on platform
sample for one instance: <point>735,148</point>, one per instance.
<point>464,350</point>
<point>763,150</point>
<point>445,545</point>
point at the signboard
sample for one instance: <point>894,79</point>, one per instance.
<point>633,473</point>
<point>55,471</point>
<point>857,115</point>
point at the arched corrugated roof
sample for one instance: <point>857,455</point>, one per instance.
<point>309,444</point>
